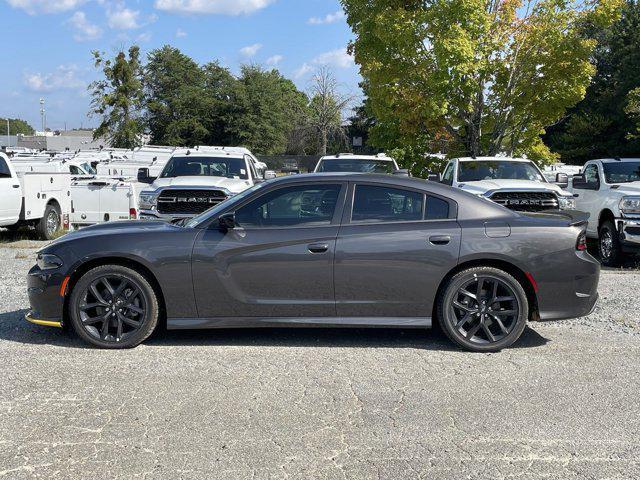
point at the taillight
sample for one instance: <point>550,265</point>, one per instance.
<point>65,221</point>
<point>581,243</point>
<point>133,214</point>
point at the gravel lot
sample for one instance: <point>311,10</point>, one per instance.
<point>321,403</point>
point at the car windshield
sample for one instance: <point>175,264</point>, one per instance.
<point>622,172</point>
<point>205,167</point>
<point>353,165</point>
<point>88,168</point>
<point>195,221</point>
<point>498,170</point>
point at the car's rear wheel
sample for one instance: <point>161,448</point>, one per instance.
<point>483,309</point>
<point>113,306</point>
<point>609,246</point>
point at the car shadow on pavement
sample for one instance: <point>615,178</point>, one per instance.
<point>14,328</point>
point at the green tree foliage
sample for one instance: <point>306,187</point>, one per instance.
<point>118,98</point>
<point>16,126</point>
<point>487,75</point>
<point>605,123</point>
<point>265,108</point>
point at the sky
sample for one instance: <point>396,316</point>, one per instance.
<point>46,52</point>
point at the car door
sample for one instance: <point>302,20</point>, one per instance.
<point>394,247</point>
<point>588,199</point>
<point>10,195</point>
<point>278,261</point>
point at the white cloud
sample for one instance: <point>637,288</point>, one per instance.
<point>34,7</point>
<point>123,18</point>
<point>338,58</point>
<point>274,60</point>
<point>250,50</point>
<point>223,7</point>
<point>144,37</point>
<point>329,18</point>
<point>65,77</point>
<point>302,71</point>
<point>180,33</point>
<point>85,30</point>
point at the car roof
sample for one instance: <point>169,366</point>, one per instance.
<point>615,160</point>
<point>353,156</point>
<point>492,159</point>
<point>208,154</point>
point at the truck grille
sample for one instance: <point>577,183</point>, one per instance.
<point>526,201</point>
<point>189,202</point>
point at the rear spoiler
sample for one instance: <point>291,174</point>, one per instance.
<point>574,217</point>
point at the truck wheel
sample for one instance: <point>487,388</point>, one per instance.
<point>50,223</point>
<point>609,245</point>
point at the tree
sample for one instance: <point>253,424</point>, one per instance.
<point>177,106</point>
<point>325,109</point>
<point>265,109</point>
<point>605,122</point>
<point>118,98</point>
<point>490,75</point>
<point>16,127</point>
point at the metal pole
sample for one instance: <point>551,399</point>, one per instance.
<point>8,135</point>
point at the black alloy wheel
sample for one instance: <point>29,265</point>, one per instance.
<point>483,309</point>
<point>114,307</point>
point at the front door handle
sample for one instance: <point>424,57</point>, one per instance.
<point>440,239</point>
<point>318,247</point>
<point>16,186</point>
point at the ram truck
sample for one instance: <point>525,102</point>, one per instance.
<point>40,200</point>
<point>515,183</point>
<point>194,181</point>
<point>609,190</point>
<point>349,162</point>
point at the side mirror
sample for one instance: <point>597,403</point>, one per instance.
<point>562,179</point>
<point>143,176</point>
<point>580,182</point>
<point>227,221</point>
<point>269,174</point>
<point>434,177</point>
<point>401,172</point>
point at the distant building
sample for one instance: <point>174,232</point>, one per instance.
<point>60,141</point>
<point>12,141</point>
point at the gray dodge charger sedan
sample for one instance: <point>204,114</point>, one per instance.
<point>322,250</point>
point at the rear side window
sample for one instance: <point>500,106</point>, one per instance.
<point>4,169</point>
<point>437,209</point>
<point>377,204</point>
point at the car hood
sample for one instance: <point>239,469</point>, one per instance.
<point>234,185</point>
<point>483,186</point>
<point>632,188</point>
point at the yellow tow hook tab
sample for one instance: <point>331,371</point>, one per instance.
<point>46,323</point>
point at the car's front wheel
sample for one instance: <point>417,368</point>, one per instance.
<point>112,306</point>
<point>483,309</point>
<point>609,246</point>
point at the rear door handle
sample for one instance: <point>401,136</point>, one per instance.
<point>318,247</point>
<point>16,186</point>
<point>440,239</point>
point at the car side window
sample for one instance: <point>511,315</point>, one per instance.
<point>299,205</point>
<point>372,203</point>
<point>591,174</point>
<point>74,170</point>
<point>4,169</point>
<point>447,177</point>
<point>437,209</point>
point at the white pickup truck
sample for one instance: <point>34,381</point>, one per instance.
<point>41,200</point>
<point>349,162</point>
<point>609,190</point>
<point>516,183</point>
<point>194,181</point>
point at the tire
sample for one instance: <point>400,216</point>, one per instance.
<point>116,316</point>
<point>50,223</point>
<point>609,246</point>
<point>489,326</point>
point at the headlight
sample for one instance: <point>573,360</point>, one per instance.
<point>630,205</point>
<point>47,261</point>
<point>148,200</point>
<point>567,203</point>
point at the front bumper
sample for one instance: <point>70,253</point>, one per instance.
<point>629,231</point>
<point>47,303</point>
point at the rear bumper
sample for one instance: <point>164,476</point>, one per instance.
<point>570,291</point>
